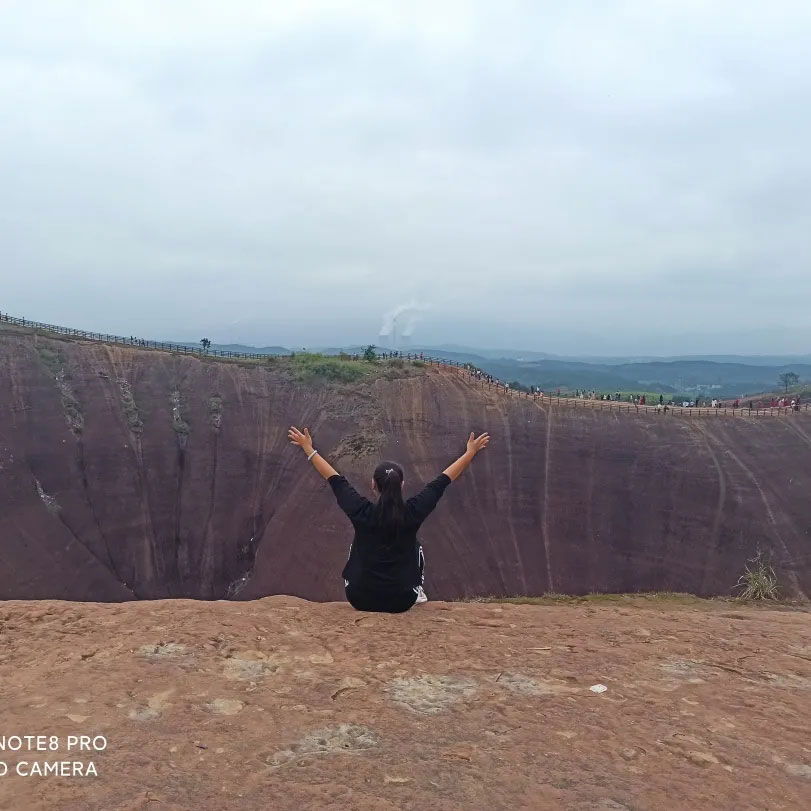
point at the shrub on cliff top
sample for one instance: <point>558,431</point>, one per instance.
<point>311,366</point>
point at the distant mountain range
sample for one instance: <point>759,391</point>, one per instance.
<point>695,376</point>
<point>530,355</point>
<point>254,350</point>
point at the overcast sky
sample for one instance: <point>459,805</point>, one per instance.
<point>581,177</point>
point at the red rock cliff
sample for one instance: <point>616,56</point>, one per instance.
<point>127,473</point>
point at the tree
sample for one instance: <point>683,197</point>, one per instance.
<point>789,379</point>
<point>369,353</point>
<point>205,343</point>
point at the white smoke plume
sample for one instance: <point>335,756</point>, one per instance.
<point>400,322</point>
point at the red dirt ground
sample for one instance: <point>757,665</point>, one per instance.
<point>282,704</point>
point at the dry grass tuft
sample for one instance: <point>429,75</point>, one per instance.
<point>758,582</point>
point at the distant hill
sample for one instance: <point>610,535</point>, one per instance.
<point>259,350</point>
<point>614,360</point>
<point>686,376</point>
<point>254,350</point>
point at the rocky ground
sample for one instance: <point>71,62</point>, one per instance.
<point>285,704</point>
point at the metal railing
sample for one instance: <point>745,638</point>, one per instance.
<point>105,337</point>
<point>189,349</point>
<point>466,370</point>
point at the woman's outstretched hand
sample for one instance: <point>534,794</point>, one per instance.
<point>477,443</point>
<point>303,440</point>
<point>474,445</point>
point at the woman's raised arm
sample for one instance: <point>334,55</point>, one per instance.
<point>305,442</point>
<point>474,445</point>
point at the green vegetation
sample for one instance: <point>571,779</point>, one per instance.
<point>312,366</point>
<point>308,366</point>
<point>369,353</point>
<point>394,368</point>
<point>758,582</point>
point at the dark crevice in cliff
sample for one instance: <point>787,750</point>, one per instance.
<point>136,446</point>
<point>53,507</point>
<point>56,364</point>
<point>246,556</point>
<point>179,554</point>
<point>176,574</point>
<point>90,505</point>
<point>207,563</point>
<point>146,509</point>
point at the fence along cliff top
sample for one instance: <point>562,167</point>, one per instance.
<point>465,369</point>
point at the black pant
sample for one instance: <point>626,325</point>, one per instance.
<point>387,602</point>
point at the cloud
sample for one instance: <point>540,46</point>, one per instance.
<point>579,177</point>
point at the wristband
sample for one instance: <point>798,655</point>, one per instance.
<point>311,455</point>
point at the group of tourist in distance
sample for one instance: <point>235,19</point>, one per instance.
<point>792,403</point>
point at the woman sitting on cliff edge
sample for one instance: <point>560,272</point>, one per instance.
<point>385,567</point>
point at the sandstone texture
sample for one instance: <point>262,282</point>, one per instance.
<point>283,704</point>
<point>129,474</point>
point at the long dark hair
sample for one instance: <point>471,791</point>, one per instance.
<point>390,507</point>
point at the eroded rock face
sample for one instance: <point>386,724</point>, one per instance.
<point>128,474</point>
<point>450,706</point>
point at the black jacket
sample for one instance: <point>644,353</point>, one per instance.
<point>378,561</point>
